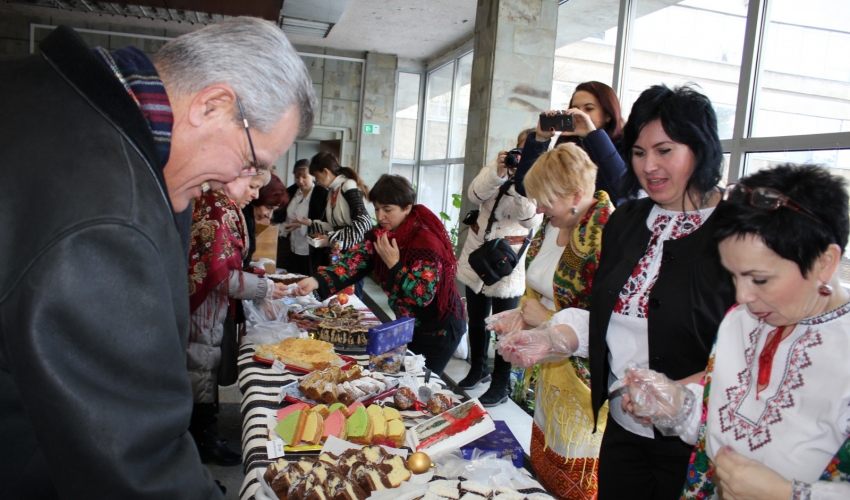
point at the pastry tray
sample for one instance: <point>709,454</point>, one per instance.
<point>349,362</point>
<point>292,394</point>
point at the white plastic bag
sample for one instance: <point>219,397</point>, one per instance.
<point>462,350</point>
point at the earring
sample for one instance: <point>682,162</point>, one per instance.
<point>825,290</point>
<point>574,210</point>
<point>205,186</point>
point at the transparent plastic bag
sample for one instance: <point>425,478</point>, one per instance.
<point>485,467</point>
<point>272,332</point>
<point>268,322</point>
<point>268,310</point>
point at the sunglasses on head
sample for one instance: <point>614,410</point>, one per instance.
<point>765,198</point>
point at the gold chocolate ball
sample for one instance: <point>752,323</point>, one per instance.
<point>419,463</point>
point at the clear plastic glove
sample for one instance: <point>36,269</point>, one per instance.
<point>543,344</point>
<point>506,322</point>
<point>667,404</point>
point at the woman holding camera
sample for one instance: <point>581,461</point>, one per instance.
<point>598,130</point>
<point>514,216</point>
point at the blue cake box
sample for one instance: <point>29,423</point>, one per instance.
<point>502,441</point>
<point>388,336</point>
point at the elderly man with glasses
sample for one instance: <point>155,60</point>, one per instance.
<point>105,150</point>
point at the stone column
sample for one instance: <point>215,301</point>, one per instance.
<point>512,72</point>
<point>378,104</point>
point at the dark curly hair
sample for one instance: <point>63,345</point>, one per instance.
<point>792,235</point>
<point>688,118</point>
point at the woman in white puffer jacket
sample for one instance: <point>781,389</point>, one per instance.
<point>515,217</point>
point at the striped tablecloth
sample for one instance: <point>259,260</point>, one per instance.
<point>260,386</point>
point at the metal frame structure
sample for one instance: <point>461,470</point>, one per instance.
<point>451,58</point>
<point>742,142</point>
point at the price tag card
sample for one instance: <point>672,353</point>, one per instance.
<point>284,391</point>
<point>278,366</point>
<point>274,449</point>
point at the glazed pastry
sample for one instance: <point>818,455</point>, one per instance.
<point>404,398</point>
<point>438,403</point>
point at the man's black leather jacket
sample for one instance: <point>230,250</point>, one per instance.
<point>94,395</point>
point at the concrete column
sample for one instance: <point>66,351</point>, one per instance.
<point>512,72</point>
<point>378,104</point>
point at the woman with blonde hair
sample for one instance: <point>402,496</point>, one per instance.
<point>560,266</point>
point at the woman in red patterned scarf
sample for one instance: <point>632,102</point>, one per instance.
<point>216,280</point>
<point>414,263</point>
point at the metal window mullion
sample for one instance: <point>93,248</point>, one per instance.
<point>748,83</point>
<point>452,108</point>
<point>420,124</point>
<point>814,142</point>
<point>622,54</point>
<point>395,129</point>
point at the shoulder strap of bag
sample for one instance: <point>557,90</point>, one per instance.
<point>502,190</point>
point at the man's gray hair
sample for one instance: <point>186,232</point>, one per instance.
<point>250,55</point>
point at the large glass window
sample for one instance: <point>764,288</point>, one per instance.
<point>438,171</point>
<point>406,116</point>
<point>694,41</point>
<point>805,76</point>
<point>438,105</point>
<point>585,60</point>
<point>461,107</point>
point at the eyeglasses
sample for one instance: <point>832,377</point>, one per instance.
<point>251,171</point>
<point>765,198</point>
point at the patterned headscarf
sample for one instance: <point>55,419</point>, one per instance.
<point>218,241</point>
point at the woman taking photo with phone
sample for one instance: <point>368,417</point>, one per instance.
<point>598,130</point>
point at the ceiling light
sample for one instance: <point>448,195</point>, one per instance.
<point>293,26</point>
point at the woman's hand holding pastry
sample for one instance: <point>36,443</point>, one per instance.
<point>279,291</point>
<point>306,286</point>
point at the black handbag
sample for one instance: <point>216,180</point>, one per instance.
<point>495,259</point>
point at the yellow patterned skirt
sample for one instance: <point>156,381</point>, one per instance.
<point>564,449</point>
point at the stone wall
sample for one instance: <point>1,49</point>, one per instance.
<point>378,109</point>
<point>512,73</point>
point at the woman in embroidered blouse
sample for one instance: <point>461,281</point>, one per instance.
<point>218,242</point>
<point>560,263</point>
<point>414,263</point>
<point>776,401</point>
<point>659,292</point>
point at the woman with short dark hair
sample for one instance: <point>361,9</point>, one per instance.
<point>413,260</point>
<point>775,401</point>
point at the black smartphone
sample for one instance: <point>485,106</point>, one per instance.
<point>561,123</point>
